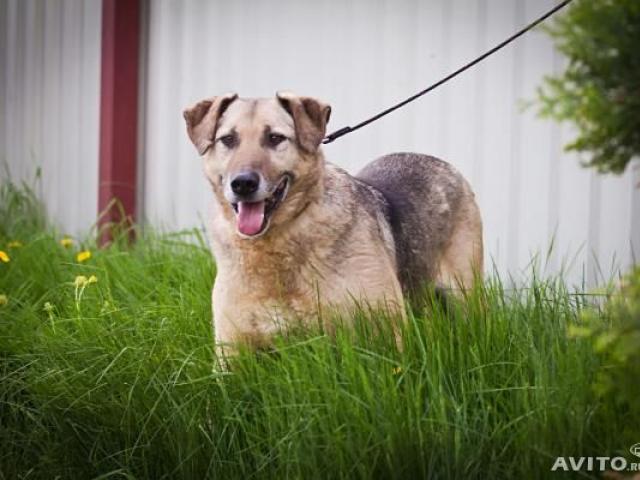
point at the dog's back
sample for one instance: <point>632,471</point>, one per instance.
<point>434,219</point>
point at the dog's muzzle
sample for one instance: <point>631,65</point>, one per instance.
<point>252,212</point>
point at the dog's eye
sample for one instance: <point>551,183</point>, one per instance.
<point>275,139</point>
<point>228,141</point>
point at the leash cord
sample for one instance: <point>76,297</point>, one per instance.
<point>344,130</point>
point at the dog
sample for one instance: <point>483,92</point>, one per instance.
<point>292,233</point>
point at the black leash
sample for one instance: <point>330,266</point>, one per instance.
<point>344,130</point>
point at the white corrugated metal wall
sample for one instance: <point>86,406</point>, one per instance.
<point>49,102</point>
<point>358,55</point>
<point>363,55</point>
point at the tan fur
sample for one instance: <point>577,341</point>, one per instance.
<point>257,289</point>
<point>462,259</point>
<point>326,246</point>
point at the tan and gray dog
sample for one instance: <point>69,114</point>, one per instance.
<point>292,232</point>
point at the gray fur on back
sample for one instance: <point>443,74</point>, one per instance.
<point>423,195</point>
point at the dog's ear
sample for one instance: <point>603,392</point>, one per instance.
<point>202,120</point>
<point>310,117</point>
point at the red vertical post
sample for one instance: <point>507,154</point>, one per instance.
<point>118,113</point>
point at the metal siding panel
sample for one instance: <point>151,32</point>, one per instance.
<point>575,189</point>
<point>190,60</point>
<point>164,118</point>
<point>595,272</point>
<point>478,139</point>
<point>11,92</point>
<point>90,109</point>
<point>33,83</point>
<point>344,73</point>
<point>153,154</point>
<point>634,179</point>
<point>614,232</point>
<point>395,47</point>
<point>514,209</point>
<point>444,96</point>
<point>52,170</point>
<point>19,112</point>
<point>70,106</point>
<point>143,75</point>
<point>459,131</point>
<point>4,72</point>
<point>499,130</point>
<point>43,80</point>
<point>531,152</point>
<point>554,153</point>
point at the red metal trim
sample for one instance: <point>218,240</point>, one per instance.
<point>118,111</point>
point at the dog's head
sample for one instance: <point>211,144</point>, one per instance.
<point>261,155</point>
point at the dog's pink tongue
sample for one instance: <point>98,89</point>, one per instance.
<point>250,217</point>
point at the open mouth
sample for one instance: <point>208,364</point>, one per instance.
<point>253,217</point>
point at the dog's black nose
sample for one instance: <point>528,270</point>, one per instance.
<point>245,183</point>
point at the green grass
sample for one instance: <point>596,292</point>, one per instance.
<point>120,379</point>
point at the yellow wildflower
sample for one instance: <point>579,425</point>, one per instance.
<point>4,257</point>
<point>397,370</point>
<point>66,242</point>
<point>82,281</point>
<point>83,256</point>
<point>14,244</point>
<point>3,300</point>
